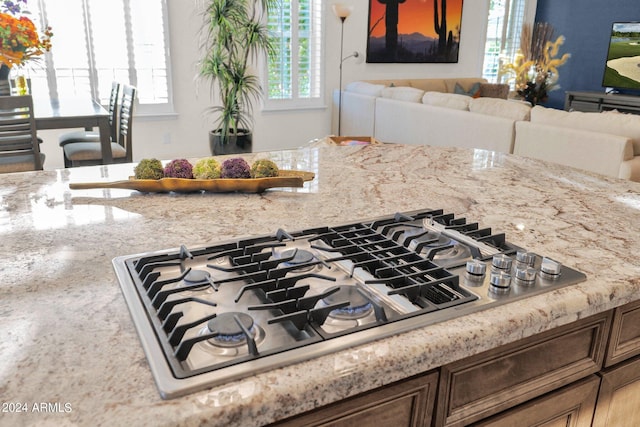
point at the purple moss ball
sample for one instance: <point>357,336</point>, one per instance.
<point>178,168</point>
<point>235,168</point>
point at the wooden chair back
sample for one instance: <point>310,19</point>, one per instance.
<point>18,141</point>
<point>125,125</point>
<point>113,109</point>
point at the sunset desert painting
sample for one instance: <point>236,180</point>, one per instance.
<point>414,31</point>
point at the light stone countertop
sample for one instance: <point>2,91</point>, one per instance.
<point>68,341</point>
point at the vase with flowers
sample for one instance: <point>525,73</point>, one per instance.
<point>535,67</point>
<point>20,42</point>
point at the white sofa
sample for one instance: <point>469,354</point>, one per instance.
<point>429,111</point>
<point>607,143</point>
<point>425,111</point>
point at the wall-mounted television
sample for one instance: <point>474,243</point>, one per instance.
<point>623,59</point>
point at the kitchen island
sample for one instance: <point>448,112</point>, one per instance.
<point>71,355</point>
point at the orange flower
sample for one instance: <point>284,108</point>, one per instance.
<point>20,41</point>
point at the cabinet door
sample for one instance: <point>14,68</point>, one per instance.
<point>625,334</point>
<point>619,398</point>
<point>496,380</point>
<point>571,406</point>
<point>407,403</point>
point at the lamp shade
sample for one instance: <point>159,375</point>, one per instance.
<point>342,11</point>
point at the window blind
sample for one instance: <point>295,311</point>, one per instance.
<point>294,72</point>
<point>504,26</point>
<point>97,41</point>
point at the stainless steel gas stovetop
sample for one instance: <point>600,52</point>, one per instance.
<point>208,315</point>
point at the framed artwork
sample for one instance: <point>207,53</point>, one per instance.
<point>414,31</point>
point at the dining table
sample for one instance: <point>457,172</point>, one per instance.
<point>71,112</point>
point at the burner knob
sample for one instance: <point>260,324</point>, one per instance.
<point>550,269</point>
<point>526,275</point>
<point>475,267</point>
<point>526,258</point>
<point>502,262</point>
<point>500,282</point>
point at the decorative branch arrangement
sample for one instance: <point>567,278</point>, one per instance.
<point>535,67</point>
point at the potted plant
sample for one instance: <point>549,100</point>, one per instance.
<point>235,35</point>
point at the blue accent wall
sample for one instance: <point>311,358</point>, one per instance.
<point>586,26</point>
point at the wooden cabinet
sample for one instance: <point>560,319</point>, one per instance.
<point>619,398</point>
<point>571,406</point>
<point>407,403</point>
<point>499,379</point>
<point>625,334</point>
<point>600,101</point>
<point>555,378</point>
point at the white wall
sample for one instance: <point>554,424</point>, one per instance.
<point>185,133</point>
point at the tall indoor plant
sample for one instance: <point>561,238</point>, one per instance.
<point>236,35</point>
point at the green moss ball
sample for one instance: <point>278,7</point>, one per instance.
<point>263,168</point>
<point>149,169</point>
<point>208,168</point>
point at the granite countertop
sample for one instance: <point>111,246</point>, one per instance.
<point>70,353</point>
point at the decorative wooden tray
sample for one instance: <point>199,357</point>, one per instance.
<point>285,178</point>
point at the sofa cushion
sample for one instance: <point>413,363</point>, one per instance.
<point>429,85</point>
<point>447,100</point>
<point>365,88</point>
<point>409,94</point>
<point>473,92</point>
<point>609,122</point>
<point>513,110</point>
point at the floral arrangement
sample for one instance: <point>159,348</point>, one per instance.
<point>535,67</point>
<point>19,38</point>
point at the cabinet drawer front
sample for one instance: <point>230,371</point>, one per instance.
<point>407,403</point>
<point>493,381</point>
<point>625,334</point>
<point>572,405</point>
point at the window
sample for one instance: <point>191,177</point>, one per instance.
<point>97,41</point>
<point>506,18</point>
<point>294,74</point>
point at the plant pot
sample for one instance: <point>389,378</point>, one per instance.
<point>240,143</point>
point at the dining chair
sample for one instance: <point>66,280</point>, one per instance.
<point>90,135</point>
<point>5,87</point>
<point>90,153</point>
<point>19,146</point>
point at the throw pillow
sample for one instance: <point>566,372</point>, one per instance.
<point>473,92</point>
<point>494,90</point>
